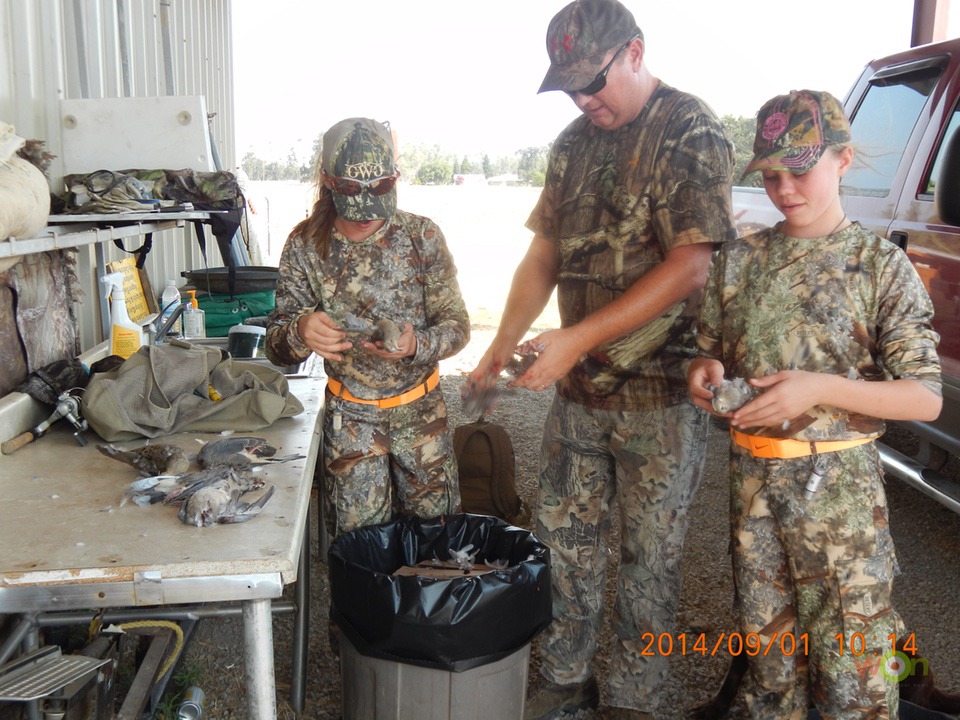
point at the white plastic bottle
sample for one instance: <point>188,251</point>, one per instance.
<point>125,335</point>
<point>194,323</point>
<point>169,302</point>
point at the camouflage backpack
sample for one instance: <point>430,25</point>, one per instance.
<point>487,482</point>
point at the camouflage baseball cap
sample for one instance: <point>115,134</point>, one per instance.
<point>360,149</point>
<point>794,130</point>
<point>579,38</point>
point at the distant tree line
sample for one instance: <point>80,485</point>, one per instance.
<point>740,131</point>
<point>432,165</point>
<point>419,164</point>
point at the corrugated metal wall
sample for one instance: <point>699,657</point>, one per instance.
<point>69,49</point>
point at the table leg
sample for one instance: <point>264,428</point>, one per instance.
<point>301,626</point>
<point>258,651</point>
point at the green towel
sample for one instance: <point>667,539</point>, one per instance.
<point>222,312</point>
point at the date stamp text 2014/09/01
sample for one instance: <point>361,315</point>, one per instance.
<point>753,644</point>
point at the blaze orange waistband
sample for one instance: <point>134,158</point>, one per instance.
<point>337,388</point>
<point>764,447</point>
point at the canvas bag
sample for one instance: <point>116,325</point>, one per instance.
<point>163,389</point>
<point>487,472</point>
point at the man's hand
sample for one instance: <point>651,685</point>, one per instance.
<point>559,351</point>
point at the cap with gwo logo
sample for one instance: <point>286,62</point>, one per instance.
<point>360,149</point>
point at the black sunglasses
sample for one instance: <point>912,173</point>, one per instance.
<point>600,81</point>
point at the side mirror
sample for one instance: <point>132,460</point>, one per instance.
<point>946,193</point>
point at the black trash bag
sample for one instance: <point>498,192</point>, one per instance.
<point>450,624</point>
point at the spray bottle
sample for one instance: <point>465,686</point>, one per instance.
<point>125,335</point>
<point>194,323</point>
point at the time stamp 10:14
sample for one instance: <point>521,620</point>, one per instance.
<point>753,644</point>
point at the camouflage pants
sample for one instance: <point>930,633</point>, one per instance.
<point>816,574</point>
<point>649,464</point>
<point>383,462</point>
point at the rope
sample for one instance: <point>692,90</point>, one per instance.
<point>178,631</point>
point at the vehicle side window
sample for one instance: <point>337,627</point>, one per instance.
<point>882,126</point>
<point>931,182</point>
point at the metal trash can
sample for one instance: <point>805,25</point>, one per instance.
<point>426,636</point>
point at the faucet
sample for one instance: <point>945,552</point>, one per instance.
<point>157,334</point>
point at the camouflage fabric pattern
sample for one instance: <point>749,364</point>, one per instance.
<point>579,38</point>
<point>615,203</point>
<point>849,304</point>
<point>794,130</point>
<point>360,149</point>
<point>823,568</point>
<point>403,272</point>
<point>383,462</point>
<point>648,466</point>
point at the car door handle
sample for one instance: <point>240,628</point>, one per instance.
<point>899,239</point>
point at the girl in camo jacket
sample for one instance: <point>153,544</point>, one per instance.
<point>831,327</point>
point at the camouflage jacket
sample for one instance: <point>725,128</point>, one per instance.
<point>403,272</point>
<point>850,304</point>
<point>615,203</point>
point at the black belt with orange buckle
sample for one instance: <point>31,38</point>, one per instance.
<point>764,447</point>
<point>337,388</point>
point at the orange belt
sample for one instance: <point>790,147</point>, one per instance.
<point>764,447</point>
<point>337,388</point>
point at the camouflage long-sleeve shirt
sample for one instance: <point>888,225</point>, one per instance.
<point>615,203</point>
<point>849,304</point>
<point>403,272</point>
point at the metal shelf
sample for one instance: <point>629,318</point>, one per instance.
<point>70,231</point>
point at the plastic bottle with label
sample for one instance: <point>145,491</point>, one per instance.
<point>126,336</point>
<point>194,323</point>
<point>169,302</point>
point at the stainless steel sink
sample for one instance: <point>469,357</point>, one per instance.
<point>304,369</point>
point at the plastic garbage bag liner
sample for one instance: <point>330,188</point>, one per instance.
<point>452,624</point>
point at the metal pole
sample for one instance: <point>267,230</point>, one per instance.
<point>258,651</point>
<point>171,87</point>
<point>301,626</point>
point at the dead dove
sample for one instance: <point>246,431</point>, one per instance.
<point>732,395</point>
<point>170,489</point>
<point>524,356</point>
<point>221,503</point>
<point>159,459</point>
<point>463,557</point>
<point>154,489</point>
<point>385,330</point>
<point>239,452</point>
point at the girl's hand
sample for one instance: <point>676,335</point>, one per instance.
<point>322,335</point>
<point>786,395</point>
<point>406,344</point>
<point>701,375</point>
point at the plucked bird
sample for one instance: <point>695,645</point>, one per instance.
<point>158,459</point>
<point>221,503</point>
<point>732,395</point>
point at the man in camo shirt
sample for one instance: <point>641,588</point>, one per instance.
<point>637,194</point>
<point>373,291</point>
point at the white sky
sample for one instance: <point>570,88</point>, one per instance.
<point>464,75</point>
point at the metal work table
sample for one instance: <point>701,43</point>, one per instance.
<point>67,544</point>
